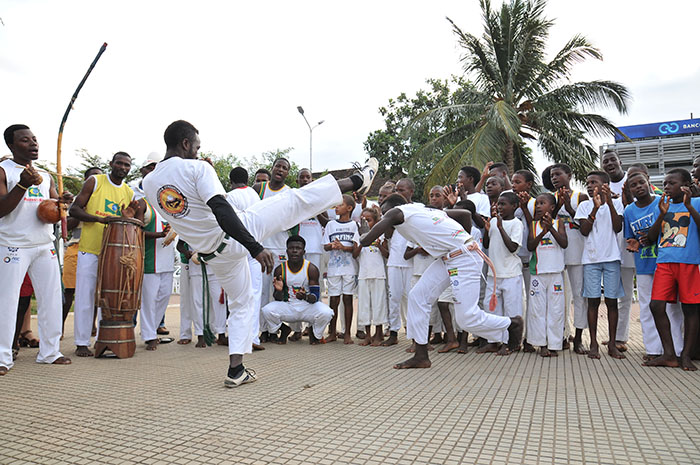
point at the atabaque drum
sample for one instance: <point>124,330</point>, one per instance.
<point>120,270</point>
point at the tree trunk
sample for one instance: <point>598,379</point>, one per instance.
<point>508,158</point>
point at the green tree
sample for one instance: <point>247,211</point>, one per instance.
<point>224,163</point>
<point>517,95</point>
<point>396,149</point>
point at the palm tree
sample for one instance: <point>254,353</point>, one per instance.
<point>516,96</point>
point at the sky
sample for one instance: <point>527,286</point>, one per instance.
<point>238,71</point>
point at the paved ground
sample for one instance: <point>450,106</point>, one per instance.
<point>344,404</point>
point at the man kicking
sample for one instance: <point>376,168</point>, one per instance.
<point>443,234</point>
<point>189,194</point>
<point>297,296</point>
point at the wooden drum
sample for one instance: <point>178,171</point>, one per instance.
<point>119,280</point>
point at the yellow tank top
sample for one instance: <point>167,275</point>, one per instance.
<point>106,200</point>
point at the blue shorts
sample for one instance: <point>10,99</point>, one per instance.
<point>609,274</point>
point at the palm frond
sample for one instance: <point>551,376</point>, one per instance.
<point>478,61</point>
<point>607,94</point>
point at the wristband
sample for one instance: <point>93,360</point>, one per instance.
<point>20,185</point>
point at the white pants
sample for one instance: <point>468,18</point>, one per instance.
<point>318,315</point>
<point>41,263</point>
<point>217,311</point>
<point>575,275</point>
<point>462,273</point>
<point>264,218</point>
<point>371,303</point>
<point>155,295</point>
<point>625,304</point>
<point>186,304</point>
<point>509,292</point>
<point>85,284</point>
<point>545,313</point>
<point>650,335</point>
<point>256,277</point>
<point>399,282</point>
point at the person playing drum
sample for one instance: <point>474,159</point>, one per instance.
<point>102,198</point>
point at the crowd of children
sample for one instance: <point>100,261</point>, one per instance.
<point>556,253</point>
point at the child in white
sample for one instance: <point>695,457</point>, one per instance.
<point>503,236</point>
<point>545,315</point>
<point>340,238</point>
<point>371,284</point>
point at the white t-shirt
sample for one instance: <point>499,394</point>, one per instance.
<point>574,251</point>
<point>180,189</point>
<point>548,257</point>
<point>523,252</point>
<point>397,247</point>
<point>341,263</point>
<point>242,198</point>
<point>356,214</point>
<point>432,229</point>
<point>420,262</point>
<point>481,202</point>
<point>312,232</point>
<point>601,244</point>
<point>506,263</point>
<point>21,227</point>
<point>616,186</point>
<point>371,262</point>
<point>278,241</point>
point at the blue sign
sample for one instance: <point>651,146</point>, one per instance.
<point>668,128</point>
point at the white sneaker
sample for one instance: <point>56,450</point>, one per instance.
<point>368,172</point>
<point>248,376</point>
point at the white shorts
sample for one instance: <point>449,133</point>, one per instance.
<point>341,285</point>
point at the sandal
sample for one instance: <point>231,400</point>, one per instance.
<point>24,342</point>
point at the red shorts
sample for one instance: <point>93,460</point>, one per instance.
<point>676,280</point>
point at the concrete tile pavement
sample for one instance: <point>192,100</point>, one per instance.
<point>336,404</point>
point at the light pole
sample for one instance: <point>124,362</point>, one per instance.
<point>311,136</point>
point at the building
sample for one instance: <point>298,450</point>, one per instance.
<point>660,146</point>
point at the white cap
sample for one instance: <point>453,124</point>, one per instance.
<point>153,157</point>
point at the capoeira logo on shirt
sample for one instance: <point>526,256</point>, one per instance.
<point>172,201</point>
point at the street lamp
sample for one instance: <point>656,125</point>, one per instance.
<point>311,136</point>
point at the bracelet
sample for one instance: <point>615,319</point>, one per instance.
<point>20,185</point>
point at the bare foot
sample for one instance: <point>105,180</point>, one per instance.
<point>544,352</point>
<point>360,335</point>
<point>152,344</point>
<point>503,350</point>
<point>392,340</point>
<point>365,342</point>
<point>593,352</point>
<point>614,352</point>
<point>83,351</point>
<point>348,339</point>
<point>184,341</point>
<point>332,337</point>
<point>430,347</point>
<point>663,361</point>
<point>296,336</point>
<point>413,363</point>
<point>3,371</point>
<point>565,344</point>
<point>437,339</point>
<point>687,363</point>
<point>488,348</point>
<point>527,347</point>
<point>258,347</point>
<point>201,343</point>
<point>377,340</point>
<point>578,347</point>
<point>284,334</point>
<point>222,340</point>
<point>553,353</point>
<point>412,349</point>
<point>62,361</point>
<point>648,357</point>
<point>450,346</point>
